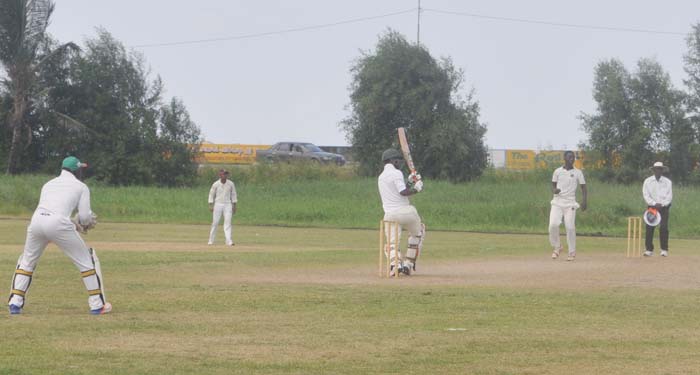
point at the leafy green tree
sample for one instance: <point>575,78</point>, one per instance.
<point>23,54</point>
<point>615,133</point>
<point>640,118</point>
<point>178,141</point>
<point>402,85</point>
<point>113,95</point>
<point>692,67</point>
<point>5,132</point>
<point>129,137</point>
<point>50,125</point>
<point>660,108</point>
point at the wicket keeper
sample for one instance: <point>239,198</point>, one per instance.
<point>51,222</point>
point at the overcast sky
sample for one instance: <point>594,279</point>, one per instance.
<point>250,84</point>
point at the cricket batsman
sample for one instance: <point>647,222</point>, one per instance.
<point>394,194</point>
<point>52,222</point>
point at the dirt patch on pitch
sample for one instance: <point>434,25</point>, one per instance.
<point>590,272</point>
<point>587,272</point>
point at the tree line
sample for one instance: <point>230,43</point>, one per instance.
<point>100,103</point>
<point>641,118</point>
<point>401,85</point>
<point>97,102</point>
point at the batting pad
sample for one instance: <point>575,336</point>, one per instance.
<point>415,245</point>
<point>20,284</point>
<point>93,283</point>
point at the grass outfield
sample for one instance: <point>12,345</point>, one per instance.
<point>308,301</point>
<point>512,203</point>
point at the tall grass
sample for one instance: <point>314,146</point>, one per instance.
<point>277,173</point>
<point>334,197</point>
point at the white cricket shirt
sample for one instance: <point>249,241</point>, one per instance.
<point>567,181</point>
<point>223,193</point>
<point>391,184</point>
<point>63,194</point>
<point>657,191</point>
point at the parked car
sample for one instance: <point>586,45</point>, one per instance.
<point>298,152</point>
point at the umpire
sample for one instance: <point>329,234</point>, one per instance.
<point>658,194</point>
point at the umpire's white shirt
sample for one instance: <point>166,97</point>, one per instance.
<point>223,193</point>
<point>567,181</point>
<point>391,184</point>
<point>657,191</point>
<point>63,194</point>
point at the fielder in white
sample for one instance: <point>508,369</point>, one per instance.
<point>51,222</point>
<point>397,207</point>
<point>565,180</point>
<point>222,200</point>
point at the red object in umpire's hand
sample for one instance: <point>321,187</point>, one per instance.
<point>652,217</point>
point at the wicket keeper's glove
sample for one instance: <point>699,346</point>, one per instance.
<point>83,228</point>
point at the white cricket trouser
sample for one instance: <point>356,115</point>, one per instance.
<point>408,218</point>
<point>555,216</point>
<point>48,227</point>
<point>227,210</point>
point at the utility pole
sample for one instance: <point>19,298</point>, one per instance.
<point>418,32</point>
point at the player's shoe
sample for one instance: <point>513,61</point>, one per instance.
<point>401,269</point>
<point>571,257</point>
<point>555,253</point>
<point>106,309</point>
<point>14,310</point>
<point>664,253</point>
<point>210,243</point>
<point>230,244</point>
<point>648,253</point>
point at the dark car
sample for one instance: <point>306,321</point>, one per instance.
<point>298,152</point>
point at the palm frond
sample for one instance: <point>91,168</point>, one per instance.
<point>11,25</point>
<point>23,26</point>
<point>59,51</point>
<point>37,15</point>
<point>72,124</point>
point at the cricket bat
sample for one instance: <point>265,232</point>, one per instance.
<point>403,141</point>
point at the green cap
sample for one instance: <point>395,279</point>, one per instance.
<point>72,163</point>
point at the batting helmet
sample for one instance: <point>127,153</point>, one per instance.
<point>391,154</point>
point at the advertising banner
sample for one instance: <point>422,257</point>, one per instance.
<point>228,153</point>
<point>520,160</point>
